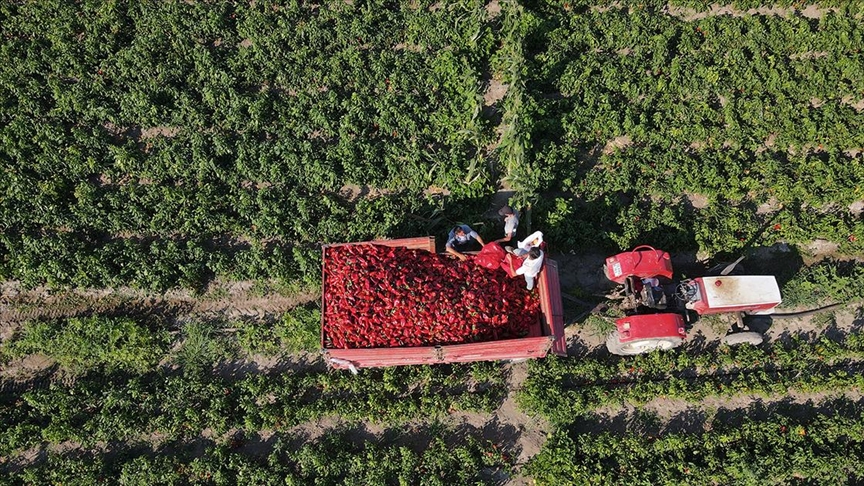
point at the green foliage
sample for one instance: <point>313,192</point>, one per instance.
<point>563,389</point>
<point>826,282</point>
<point>160,144</point>
<point>657,129</point>
<point>333,459</point>
<point>785,447</point>
<point>80,345</point>
<point>201,347</point>
<point>102,407</point>
<point>299,330</point>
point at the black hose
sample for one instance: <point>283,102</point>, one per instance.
<point>805,313</point>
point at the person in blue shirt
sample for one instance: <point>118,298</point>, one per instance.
<point>459,239</point>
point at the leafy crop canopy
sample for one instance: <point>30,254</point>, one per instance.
<point>636,113</point>
<point>128,125</point>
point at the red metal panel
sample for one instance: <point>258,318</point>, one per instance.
<point>375,357</point>
<point>647,326</point>
<point>419,243</point>
<point>323,289</point>
<point>643,261</point>
<point>551,306</point>
<point>536,347</point>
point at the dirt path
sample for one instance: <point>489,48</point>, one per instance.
<point>234,300</point>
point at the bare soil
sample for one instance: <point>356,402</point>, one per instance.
<point>162,131</point>
<point>617,143</point>
<point>690,15</point>
<point>698,201</point>
<point>226,299</point>
<point>494,93</point>
<point>493,9</point>
<point>768,207</point>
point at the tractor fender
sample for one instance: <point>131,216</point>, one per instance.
<point>650,326</point>
<point>643,262</point>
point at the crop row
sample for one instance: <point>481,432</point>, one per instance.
<point>161,144</point>
<point>332,459</point>
<point>823,283</point>
<point>79,345</point>
<point>561,389</point>
<point>709,134</point>
<point>792,6</point>
<point>118,406</point>
<point>810,445</point>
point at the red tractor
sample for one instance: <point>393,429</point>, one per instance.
<point>658,308</point>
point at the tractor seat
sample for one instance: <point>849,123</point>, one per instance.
<point>653,297</point>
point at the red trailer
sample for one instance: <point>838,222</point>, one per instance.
<point>546,335</point>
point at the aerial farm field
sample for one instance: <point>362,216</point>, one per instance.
<point>171,171</point>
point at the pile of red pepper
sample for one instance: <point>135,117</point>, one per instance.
<point>378,296</point>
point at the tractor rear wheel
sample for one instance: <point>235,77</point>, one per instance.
<point>640,346</point>
<point>737,338</point>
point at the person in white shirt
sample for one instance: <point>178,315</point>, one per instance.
<point>511,222</point>
<point>530,266</point>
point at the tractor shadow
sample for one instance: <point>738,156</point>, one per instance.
<point>780,260</point>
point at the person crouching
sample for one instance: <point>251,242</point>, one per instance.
<point>459,239</point>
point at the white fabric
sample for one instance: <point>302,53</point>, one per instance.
<point>528,242</point>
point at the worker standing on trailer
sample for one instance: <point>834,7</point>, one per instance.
<point>459,239</point>
<point>511,222</point>
<point>533,261</point>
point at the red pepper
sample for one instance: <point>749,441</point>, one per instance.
<point>379,296</point>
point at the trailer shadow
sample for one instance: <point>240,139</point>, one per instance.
<point>577,348</point>
<point>238,369</point>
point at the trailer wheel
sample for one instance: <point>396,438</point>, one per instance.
<point>640,346</point>
<point>737,338</point>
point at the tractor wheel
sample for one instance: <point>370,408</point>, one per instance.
<point>640,346</point>
<point>737,338</point>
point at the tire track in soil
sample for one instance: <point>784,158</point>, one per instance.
<point>678,416</point>
<point>238,301</point>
